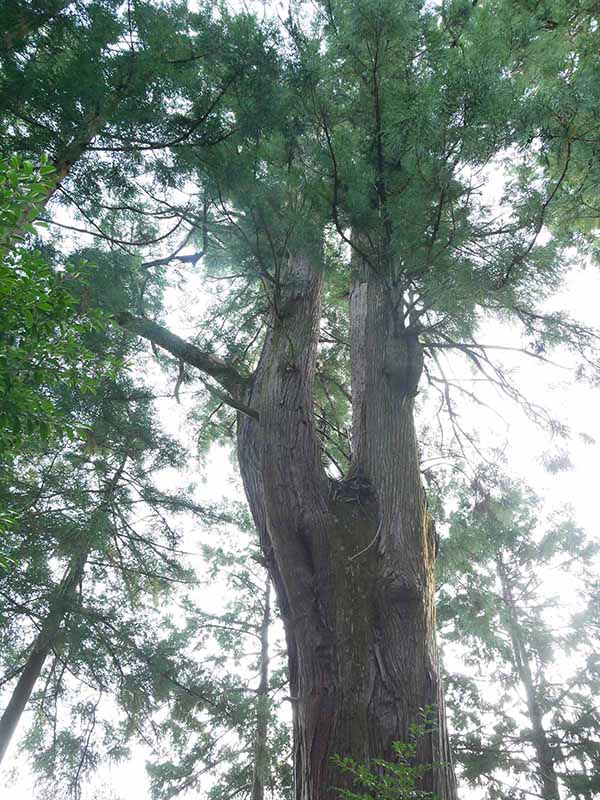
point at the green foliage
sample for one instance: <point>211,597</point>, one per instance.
<point>390,780</point>
<point>218,759</point>
<point>117,657</point>
<point>41,319</point>
<point>504,619</point>
<point>366,135</point>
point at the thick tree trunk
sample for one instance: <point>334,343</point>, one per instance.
<point>352,561</point>
<point>543,751</point>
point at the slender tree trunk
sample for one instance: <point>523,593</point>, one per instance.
<point>67,157</point>
<point>61,604</point>
<point>352,562</point>
<point>65,160</point>
<point>25,23</point>
<point>262,698</point>
<point>543,751</point>
<point>62,164</point>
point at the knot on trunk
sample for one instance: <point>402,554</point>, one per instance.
<point>402,589</point>
<point>403,363</point>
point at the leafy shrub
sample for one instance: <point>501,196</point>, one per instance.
<point>390,780</point>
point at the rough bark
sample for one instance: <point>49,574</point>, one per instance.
<point>545,766</point>
<point>351,561</point>
<point>387,361</point>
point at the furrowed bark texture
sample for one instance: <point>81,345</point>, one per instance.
<point>387,362</point>
<point>352,562</point>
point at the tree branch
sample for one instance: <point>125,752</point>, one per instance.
<point>222,371</point>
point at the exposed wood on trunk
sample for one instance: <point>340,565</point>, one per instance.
<point>543,751</point>
<point>289,497</point>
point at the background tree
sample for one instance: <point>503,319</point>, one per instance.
<point>94,556</point>
<point>110,91</point>
<point>524,709</point>
<point>91,550</point>
<point>43,324</point>
<point>243,750</point>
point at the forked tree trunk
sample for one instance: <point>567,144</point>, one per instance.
<point>352,561</point>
